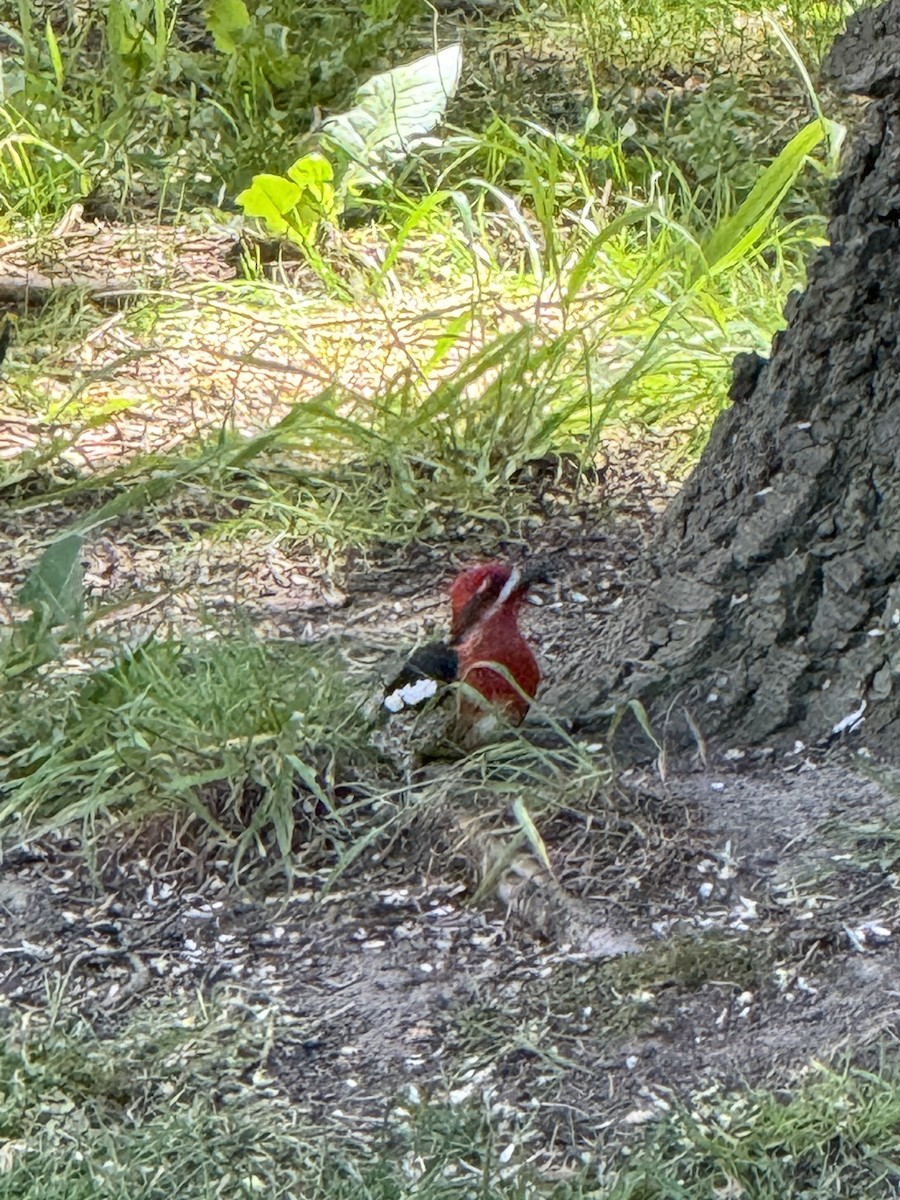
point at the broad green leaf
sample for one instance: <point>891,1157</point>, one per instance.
<point>296,203</point>
<point>270,197</point>
<point>225,19</point>
<point>315,175</point>
<point>54,589</point>
<point>394,111</point>
<point>311,170</point>
<point>733,237</point>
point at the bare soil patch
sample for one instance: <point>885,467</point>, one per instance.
<point>752,940</point>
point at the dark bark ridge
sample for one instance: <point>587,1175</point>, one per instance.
<point>773,606</point>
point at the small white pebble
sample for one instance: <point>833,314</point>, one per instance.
<point>639,1116</point>
<point>579,597</point>
<point>744,911</point>
<point>869,933</point>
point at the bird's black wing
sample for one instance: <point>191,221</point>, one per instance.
<point>436,663</point>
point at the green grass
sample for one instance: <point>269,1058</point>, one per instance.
<point>256,727</point>
<point>832,1135</point>
<point>583,1007</point>
<point>635,336</point>
<point>655,35</point>
<point>658,247</point>
<point>180,1101</point>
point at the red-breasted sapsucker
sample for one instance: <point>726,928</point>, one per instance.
<point>484,636</point>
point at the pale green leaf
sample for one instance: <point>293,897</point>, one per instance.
<point>226,20</point>
<point>270,197</point>
<point>54,588</point>
<point>733,237</point>
<point>394,111</point>
<point>55,56</point>
<point>528,827</point>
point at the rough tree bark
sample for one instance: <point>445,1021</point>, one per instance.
<point>772,605</point>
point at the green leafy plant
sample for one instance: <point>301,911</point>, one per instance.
<point>170,719</point>
<point>294,204</point>
<point>394,112</point>
<point>54,593</point>
<point>731,240</point>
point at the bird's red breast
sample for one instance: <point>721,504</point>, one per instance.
<point>485,602</point>
<point>486,651</point>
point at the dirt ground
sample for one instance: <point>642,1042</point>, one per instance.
<point>763,948</point>
<point>737,919</point>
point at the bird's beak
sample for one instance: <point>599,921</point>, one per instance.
<point>536,571</point>
<point>521,579</point>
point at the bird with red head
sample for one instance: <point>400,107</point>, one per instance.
<point>484,630</point>
<point>486,651</point>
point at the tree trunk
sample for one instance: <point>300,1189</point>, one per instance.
<point>771,607</point>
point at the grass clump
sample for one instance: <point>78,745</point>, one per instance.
<point>689,963</point>
<point>170,721</point>
<point>569,1017</point>
<point>671,36</point>
<point>177,1103</point>
<point>833,1134</point>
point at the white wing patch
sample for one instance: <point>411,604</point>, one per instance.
<point>410,695</point>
